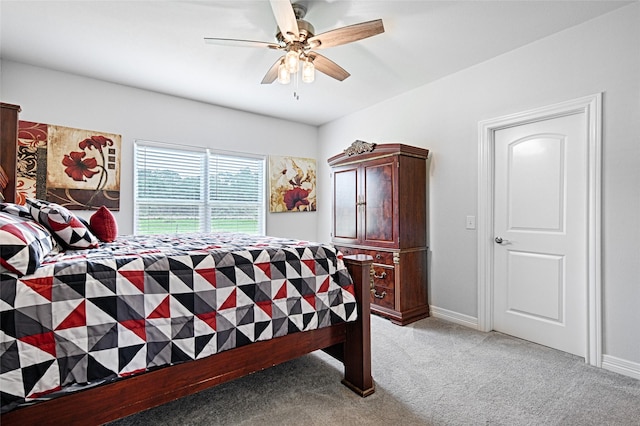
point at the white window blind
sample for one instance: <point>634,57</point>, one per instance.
<point>179,189</point>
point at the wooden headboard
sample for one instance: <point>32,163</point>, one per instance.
<point>8,150</point>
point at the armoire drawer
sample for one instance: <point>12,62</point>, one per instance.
<point>383,292</point>
<point>348,251</point>
<point>382,296</point>
<point>383,276</point>
<point>381,257</point>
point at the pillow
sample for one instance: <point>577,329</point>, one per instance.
<point>104,225</point>
<point>63,224</point>
<point>15,209</point>
<point>23,244</point>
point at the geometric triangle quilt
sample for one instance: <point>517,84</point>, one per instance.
<point>143,302</point>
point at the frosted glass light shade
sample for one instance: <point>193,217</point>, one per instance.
<point>291,61</point>
<point>308,72</point>
<point>283,74</point>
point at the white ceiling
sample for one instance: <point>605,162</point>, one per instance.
<point>158,45</point>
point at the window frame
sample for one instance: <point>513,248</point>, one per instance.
<point>205,203</point>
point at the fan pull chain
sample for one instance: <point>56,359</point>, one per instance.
<point>296,94</point>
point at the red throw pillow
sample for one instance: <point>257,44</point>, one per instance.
<point>104,225</point>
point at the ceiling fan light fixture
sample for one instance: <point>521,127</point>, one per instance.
<point>291,61</point>
<point>284,77</point>
<point>297,40</point>
<point>308,71</point>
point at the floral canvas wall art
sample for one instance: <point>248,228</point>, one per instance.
<point>292,184</point>
<point>79,169</point>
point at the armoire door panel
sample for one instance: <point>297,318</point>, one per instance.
<point>379,203</point>
<point>345,202</point>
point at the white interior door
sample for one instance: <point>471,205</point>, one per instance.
<point>540,221</point>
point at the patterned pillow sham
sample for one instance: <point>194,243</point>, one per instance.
<point>63,224</point>
<point>23,244</point>
<point>15,209</point>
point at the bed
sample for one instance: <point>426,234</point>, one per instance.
<point>95,333</point>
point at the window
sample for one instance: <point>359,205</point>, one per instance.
<point>189,189</point>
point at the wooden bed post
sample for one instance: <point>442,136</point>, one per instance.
<point>357,348</point>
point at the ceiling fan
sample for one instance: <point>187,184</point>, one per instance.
<point>296,37</point>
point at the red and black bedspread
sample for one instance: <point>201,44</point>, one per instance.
<point>143,302</point>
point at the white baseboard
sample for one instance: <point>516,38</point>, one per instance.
<point>445,314</point>
<point>621,366</point>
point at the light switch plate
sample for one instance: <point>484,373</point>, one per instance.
<point>471,222</point>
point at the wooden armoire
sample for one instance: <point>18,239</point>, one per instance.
<point>380,209</point>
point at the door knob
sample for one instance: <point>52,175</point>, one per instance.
<point>499,240</point>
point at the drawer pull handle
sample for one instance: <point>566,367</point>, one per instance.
<point>382,276</point>
<point>378,296</point>
<point>372,274</point>
<point>378,256</point>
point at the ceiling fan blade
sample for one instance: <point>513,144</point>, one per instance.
<point>328,67</point>
<point>286,19</point>
<point>346,34</point>
<point>272,74</point>
<point>240,43</point>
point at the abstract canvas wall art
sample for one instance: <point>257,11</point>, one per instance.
<point>76,168</point>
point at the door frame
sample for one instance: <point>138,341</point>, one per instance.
<point>591,106</point>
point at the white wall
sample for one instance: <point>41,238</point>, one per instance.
<point>602,55</point>
<point>52,97</point>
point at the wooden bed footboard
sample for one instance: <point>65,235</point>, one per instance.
<point>348,342</point>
